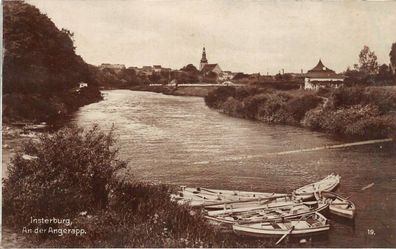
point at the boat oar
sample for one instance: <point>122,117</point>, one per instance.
<point>289,232</point>
<point>211,191</point>
<point>285,235</point>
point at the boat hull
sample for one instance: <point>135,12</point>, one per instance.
<point>227,219</point>
<point>350,214</point>
<point>325,185</point>
<point>245,231</point>
<point>339,208</point>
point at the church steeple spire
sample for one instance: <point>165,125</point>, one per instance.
<point>204,61</point>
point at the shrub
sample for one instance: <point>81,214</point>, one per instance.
<point>342,97</point>
<point>373,127</point>
<point>252,103</point>
<point>215,98</point>
<point>312,119</point>
<point>385,99</point>
<point>337,121</point>
<point>232,107</point>
<point>273,109</point>
<point>60,175</point>
<point>297,107</point>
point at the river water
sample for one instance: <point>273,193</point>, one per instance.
<point>178,140</point>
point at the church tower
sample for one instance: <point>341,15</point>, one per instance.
<point>204,61</point>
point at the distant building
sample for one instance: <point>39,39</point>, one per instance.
<point>111,66</point>
<point>207,68</point>
<point>322,77</point>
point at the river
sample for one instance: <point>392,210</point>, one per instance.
<point>178,140</point>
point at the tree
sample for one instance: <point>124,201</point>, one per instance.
<point>367,61</point>
<point>384,74</point>
<point>190,68</point>
<point>354,76</point>
<point>38,57</point>
<point>392,56</point>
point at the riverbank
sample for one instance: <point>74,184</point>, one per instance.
<point>37,108</point>
<point>360,113</point>
<point>193,91</point>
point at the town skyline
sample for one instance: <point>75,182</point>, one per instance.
<point>241,37</point>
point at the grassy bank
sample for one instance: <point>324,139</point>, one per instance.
<point>348,112</point>
<point>76,174</point>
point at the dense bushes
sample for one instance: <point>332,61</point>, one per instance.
<point>60,175</point>
<point>356,112</point>
<point>338,121</point>
<point>352,112</point>
<point>262,104</point>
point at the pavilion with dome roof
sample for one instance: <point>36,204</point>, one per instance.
<point>322,77</point>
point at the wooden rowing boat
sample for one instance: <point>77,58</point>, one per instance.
<point>340,206</point>
<point>325,185</point>
<point>208,198</point>
<point>272,213</point>
<point>311,224</point>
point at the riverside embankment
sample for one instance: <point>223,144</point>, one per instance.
<point>356,113</point>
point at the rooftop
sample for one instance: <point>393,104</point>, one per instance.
<point>321,71</point>
<point>208,67</point>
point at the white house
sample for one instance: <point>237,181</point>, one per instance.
<point>322,77</point>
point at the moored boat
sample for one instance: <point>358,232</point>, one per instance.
<point>311,224</point>
<point>276,213</point>
<point>209,198</point>
<point>340,206</point>
<point>325,185</point>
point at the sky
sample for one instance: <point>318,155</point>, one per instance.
<point>241,36</point>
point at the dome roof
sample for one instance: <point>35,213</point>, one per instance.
<point>321,68</point>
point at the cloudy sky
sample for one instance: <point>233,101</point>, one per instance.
<point>249,36</point>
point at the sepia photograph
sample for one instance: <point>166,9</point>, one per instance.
<point>198,124</point>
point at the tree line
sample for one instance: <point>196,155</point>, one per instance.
<point>368,71</point>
